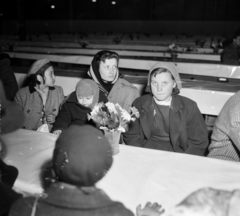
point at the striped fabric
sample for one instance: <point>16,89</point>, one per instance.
<point>225,139</point>
<point>101,88</point>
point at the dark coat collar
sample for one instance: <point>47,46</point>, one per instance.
<point>72,98</point>
<point>176,103</point>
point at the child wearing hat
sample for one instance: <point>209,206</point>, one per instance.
<point>77,106</point>
<point>82,157</point>
<point>41,99</point>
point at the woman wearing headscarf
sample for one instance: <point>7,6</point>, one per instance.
<point>167,120</point>
<point>113,87</point>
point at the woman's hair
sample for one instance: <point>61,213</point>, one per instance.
<point>38,68</point>
<point>33,81</point>
<point>103,55</point>
<point>157,71</point>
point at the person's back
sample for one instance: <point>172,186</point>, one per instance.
<point>81,158</point>
<point>65,200</point>
<point>225,139</point>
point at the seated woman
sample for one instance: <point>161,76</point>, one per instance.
<point>225,139</point>
<point>77,106</point>
<point>40,100</point>
<point>113,87</point>
<point>167,121</point>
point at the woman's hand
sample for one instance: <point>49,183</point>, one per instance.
<point>150,210</point>
<point>50,118</point>
<point>57,132</point>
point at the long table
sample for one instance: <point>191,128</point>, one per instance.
<point>137,175</point>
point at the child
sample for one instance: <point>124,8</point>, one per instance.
<point>81,158</point>
<point>77,106</point>
<point>40,100</point>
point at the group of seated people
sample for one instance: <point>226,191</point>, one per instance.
<point>168,121</point>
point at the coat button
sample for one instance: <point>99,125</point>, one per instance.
<point>28,111</point>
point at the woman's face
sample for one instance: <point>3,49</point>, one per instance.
<point>162,85</point>
<point>49,77</point>
<point>108,69</point>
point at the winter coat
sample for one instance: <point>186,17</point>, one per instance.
<point>65,201</point>
<point>225,139</point>
<point>31,102</point>
<point>188,131</point>
<point>123,93</point>
<point>71,113</point>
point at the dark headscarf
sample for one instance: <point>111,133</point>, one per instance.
<point>94,73</point>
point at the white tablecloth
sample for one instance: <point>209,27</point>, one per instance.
<point>138,175</point>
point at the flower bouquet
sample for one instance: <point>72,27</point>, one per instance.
<point>113,119</point>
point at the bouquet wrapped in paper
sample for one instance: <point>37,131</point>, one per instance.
<point>112,116</point>
<point>113,119</point>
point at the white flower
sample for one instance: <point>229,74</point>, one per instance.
<point>96,109</point>
<point>125,115</point>
<point>111,107</point>
<point>122,129</point>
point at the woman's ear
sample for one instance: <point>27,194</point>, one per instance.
<point>174,84</point>
<point>40,78</point>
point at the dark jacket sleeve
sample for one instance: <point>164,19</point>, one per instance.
<point>7,197</point>
<point>63,119</point>
<point>8,78</point>
<point>134,136</point>
<point>197,133</point>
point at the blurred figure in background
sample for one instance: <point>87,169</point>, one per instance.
<point>7,76</point>
<point>231,53</point>
<point>11,119</point>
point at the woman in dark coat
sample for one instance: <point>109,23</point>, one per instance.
<point>167,120</point>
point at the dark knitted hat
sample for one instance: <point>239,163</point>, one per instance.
<point>82,155</point>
